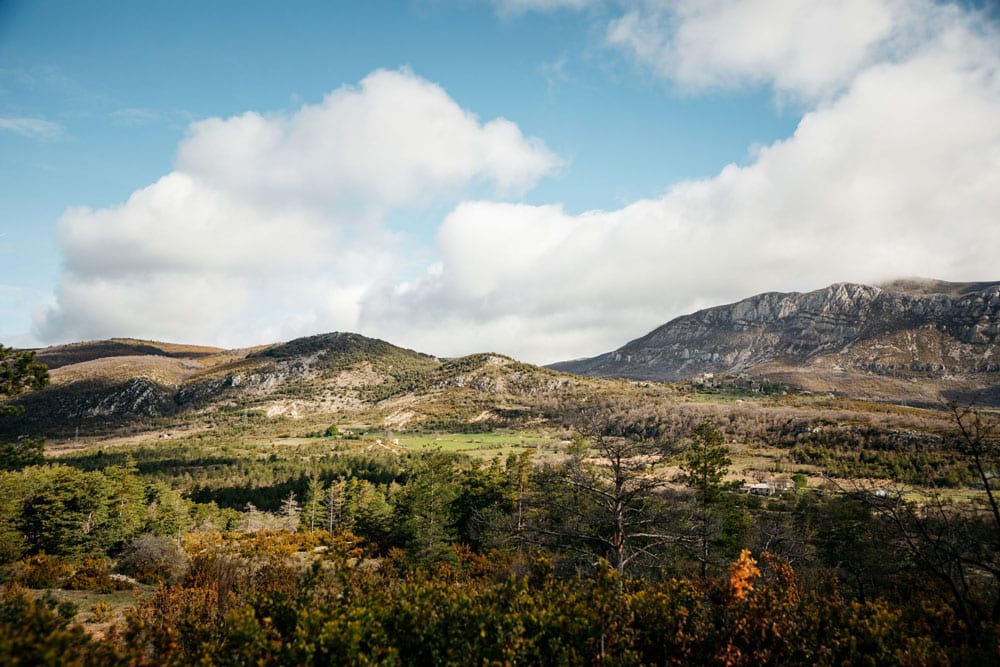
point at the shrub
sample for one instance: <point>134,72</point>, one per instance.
<point>94,574</point>
<point>43,571</point>
<point>151,559</point>
<point>100,612</point>
<point>40,631</point>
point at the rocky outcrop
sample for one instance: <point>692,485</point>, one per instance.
<point>921,327</point>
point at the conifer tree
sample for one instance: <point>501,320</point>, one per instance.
<point>705,465</point>
<point>19,373</point>
<point>314,509</point>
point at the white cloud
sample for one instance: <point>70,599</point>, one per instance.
<point>36,128</point>
<point>180,224</point>
<point>899,175</point>
<point>271,225</point>
<point>808,49</point>
<point>518,7</point>
<point>393,140</point>
<point>15,304</point>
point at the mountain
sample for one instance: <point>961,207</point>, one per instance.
<point>919,340</point>
<point>913,341</point>
<point>101,387</point>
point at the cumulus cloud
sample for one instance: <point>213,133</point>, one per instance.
<point>15,302</point>
<point>394,139</point>
<point>898,175</point>
<point>272,225</point>
<point>807,49</point>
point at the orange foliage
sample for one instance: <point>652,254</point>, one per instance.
<point>742,573</point>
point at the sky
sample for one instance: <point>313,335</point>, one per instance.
<point>546,179</point>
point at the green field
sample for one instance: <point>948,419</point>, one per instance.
<point>482,444</point>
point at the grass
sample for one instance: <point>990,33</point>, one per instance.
<point>117,603</point>
<point>480,444</point>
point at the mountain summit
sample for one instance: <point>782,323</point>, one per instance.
<point>838,338</point>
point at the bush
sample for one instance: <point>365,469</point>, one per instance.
<point>100,612</point>
<point>94,574</point>
<point>43,571</point>
<point>41,632</point>
<point>151,559</point>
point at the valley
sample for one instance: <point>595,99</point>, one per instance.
<point>230,488</point>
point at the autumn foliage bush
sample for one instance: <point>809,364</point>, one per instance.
<point>43,571</point>
<point>94,574</point>
<point>338,609</point>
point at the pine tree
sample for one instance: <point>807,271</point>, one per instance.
<point>19,373</point>
<point>335,505</point>
<point>314,510</point>
<point>705,464</point>
<point>605,501</point>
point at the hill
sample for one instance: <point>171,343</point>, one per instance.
<point>102,386</point>
<point>914,340</point>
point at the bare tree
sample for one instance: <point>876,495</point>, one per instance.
<point>978,437</point>
<point>604,500</point>
<point>956,543</point>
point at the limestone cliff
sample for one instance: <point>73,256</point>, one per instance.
<point>905,329</point>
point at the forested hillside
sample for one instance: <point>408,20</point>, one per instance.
<point>719,528</point>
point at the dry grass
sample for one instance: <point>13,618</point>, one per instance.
<point>118,602</point>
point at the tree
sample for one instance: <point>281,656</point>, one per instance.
<point>850,538</point>
<point>953,546</point>
<point>488,510</point>
<point>20,372</point>
<point>705,464</point>
<point>372,513</point>
<point>314,510</point>
<point>977,437</point>
<point>66,511</point>
<point>423,510</point>
<point>290,512</point>
<point>166,513</point>
<point>609,505</point>
<point>335,513</point>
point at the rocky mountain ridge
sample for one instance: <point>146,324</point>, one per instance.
<point>910,330</point>
<point>917,342</point>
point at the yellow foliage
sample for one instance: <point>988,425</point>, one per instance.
<point>742,572</point>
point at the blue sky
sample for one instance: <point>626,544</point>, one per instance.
<point>543,178</point>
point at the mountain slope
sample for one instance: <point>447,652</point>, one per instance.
<point>102,386</point>
<point>913,330</point>
<point>75,353</point>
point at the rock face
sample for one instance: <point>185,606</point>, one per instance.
<point>905,328</point>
